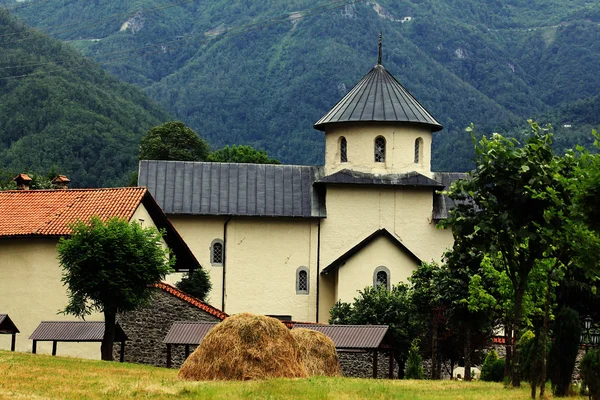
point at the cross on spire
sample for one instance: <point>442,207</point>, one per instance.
<point>379,57</point>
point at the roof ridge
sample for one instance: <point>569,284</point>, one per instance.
<point>191,300</point>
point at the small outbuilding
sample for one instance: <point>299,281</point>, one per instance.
<point>74,331</point>
<point>186,333</point>
<point>354,343</point>
<point>7,327</point>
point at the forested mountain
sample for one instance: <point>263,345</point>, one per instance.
<point>59,109</point>
<point>261,73</point>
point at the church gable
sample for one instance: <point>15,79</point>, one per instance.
<point>379,259</point>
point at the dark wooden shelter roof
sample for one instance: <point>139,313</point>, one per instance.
<point>341,260</point>
<point>6,325</point>
<point>204,188</point>
<point>378,98</point>
<point>410,179</point>
<point>354,337</point>
<point>74,331</point>
<point>188,332</point>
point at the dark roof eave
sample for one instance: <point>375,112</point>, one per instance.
<point>322,126</point>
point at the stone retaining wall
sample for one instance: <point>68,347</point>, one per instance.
<point>147,327</point>
<point>360,364</point>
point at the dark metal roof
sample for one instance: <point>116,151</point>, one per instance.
<point>357,337</point>
<point>202,188</point>
<point>442,204</point>
<point>378,97</point>
<point>188,332</point>
<point>347,176</point>
<point>6,325</point>
<point>378,233</point>
<point>74,331</point>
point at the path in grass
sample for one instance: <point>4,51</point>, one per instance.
<point>27,376</point>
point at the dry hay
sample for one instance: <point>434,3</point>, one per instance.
<point>243,347</point>
<point>318,352</point>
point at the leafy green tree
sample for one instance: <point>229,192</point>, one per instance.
<point>493,368</point>
<point>241,154</point>
<point>108,267</point>
<point>196,283</point>
<point>590,372</point>
<point>378,306</point>
<point>563,353</point>
<point>173,141</point>
<point>511,206</point>
<point>414,363</point>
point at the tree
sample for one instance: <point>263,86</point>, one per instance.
<point>241,154</point>
<point>511,207</point>
<point>563,353</point>
<point>378,306</point>
<point>196,283</point>
<point>414,366</point>
<point>173,141</point>
<point>108,267</point>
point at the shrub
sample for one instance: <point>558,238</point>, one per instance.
<point>414,367</point>
<point>590,372</point>
<point>493,368</point>
<point>195,283</point>
<point>563,353</point>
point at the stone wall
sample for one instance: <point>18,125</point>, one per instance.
<point>147,327</point>
<point>360,364</point>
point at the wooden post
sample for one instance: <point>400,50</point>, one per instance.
<point>169,361</point>
<point>54,347</point>
<point>13,342</point>
<point>391,372</point>
<point>122,353</point>
<point>34,347</point>
<point>375,364</point>
<point>187,351</point>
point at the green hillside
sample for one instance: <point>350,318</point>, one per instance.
<point>492,63</point>
<point>59,109</point>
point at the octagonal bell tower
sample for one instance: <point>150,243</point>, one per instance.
<point>379,128</point>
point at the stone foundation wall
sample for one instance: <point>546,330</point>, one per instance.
<point>147,327</point>
<point>360,364</point>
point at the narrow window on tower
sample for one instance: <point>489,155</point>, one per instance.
<point>216,253</point>
<point>379,149</point>
<point>418,147</point>
<point>381,277</point>
<point>343,150</point>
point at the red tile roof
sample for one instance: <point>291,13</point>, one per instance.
<point>192,300</point>
<point>50,212</point>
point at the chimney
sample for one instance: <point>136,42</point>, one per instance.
<point>23,181</point>
<point>61,182</point>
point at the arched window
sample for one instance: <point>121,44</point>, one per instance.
<point>343,150</point>
<point>216,252</point>
<point>381,277</point>
<point>418,149</point>
<point>379,149</point>
<point>302,280</point>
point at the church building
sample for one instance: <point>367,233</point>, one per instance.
<point>290,241</point>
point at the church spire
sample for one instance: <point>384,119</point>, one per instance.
<point>379,57</point>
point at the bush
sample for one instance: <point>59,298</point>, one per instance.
<point>563,353</point>
<point>195,283</point>
<point>414,366</point>
<point>493,368</point>
<point>590,372</point>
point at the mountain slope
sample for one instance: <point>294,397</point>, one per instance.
<point>61,110</point>
<point>491,63</point>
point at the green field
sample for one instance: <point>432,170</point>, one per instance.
<point>27,376</point>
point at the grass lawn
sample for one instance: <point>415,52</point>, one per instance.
<point>27,376</point>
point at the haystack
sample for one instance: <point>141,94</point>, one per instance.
<point>318,352</point>
<point>243,347</point>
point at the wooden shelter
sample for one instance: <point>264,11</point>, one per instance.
<point>186,333</point>
<point>74,331</point>
<point>7,327</point>
<point>353,338</point>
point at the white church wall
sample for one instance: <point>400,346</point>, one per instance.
<point>400,149</point>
